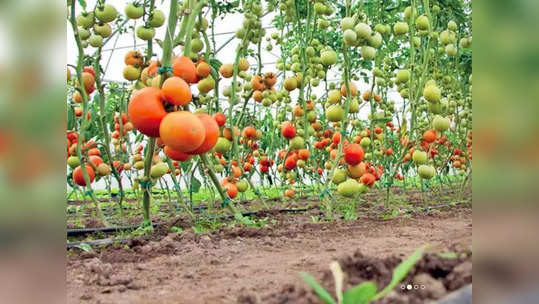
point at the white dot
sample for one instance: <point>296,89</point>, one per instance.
<point>409,287</point>
<point>403,286</point>
<point>416,286</point>
<point>423,287</point>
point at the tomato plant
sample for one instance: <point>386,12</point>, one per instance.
<point>362,95</point>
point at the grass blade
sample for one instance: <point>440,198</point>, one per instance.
<point>318,289</point>
<point>400,272</point>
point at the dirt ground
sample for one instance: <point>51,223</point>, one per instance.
<point>232,265</point>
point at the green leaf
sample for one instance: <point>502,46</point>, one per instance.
<point>216,64</point>
<point>400,272</point>
<point>195,184</point>
<point>82,3</point>
<point>448,255</point>
<point>319,290</point>
<point>361,294</point>
<point>85,247</point>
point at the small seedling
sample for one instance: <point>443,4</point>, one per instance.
<point>365,292</point>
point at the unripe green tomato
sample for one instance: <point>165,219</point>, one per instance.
<point>104,30</point>
<point>266,102</point>
<point>368,52</point>
<point>375,40</point>
<point>106,14</point>
<point>158,170</point>
<point>447,37</point>
<point>440,123</point>
<point>157,18</point>
<point>86,20</point>
<point>323,23</point>
<point>339,176</point>
<point>380,28</point>
<point>422,23</point>
<point>319,8</point>
<point>432,93</point>
<point>408,13</point>
<point>363,30</point>
<point>452,25</point>
<point>417,41</point>
<point>196,45</point>
<point>403,76</point>
<point>95,41</point>
<point>310,51</point>
<point>451,50</point>
<point>73,161</point>
<point>145,33</point>
<point>335,113</point>
<point>83,33</point>
<point>400,28</point>
<point>334,96</point>
<point>419,157</point>
<point>131,73</point>
<point>404,93</point>
<point>242,185</point>
<point>365,142</point>
<point>377,72</point>
<point>328,57</point>
<point>297,143</point>
<point>435,107</point>
<point>350,37</point>
<point>348,188</point>
<point>354,106</point>
<point>426,171</point>
<point>223,145</point>
<point>347,23</point>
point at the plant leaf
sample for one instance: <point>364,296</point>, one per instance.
<point>85,247</point>
<point>318,289</point>
<point>338,276</point>
<point>361,294</point>
<point>82,3</point>
<point>195,184</point>
<point>215,63</point>
<point>448,255</point>
<point>400,272</point>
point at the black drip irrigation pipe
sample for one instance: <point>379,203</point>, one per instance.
<point>81,232</point>
<point>86,231</point>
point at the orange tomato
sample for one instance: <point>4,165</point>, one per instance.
<point>176,91</point>
<point>184,68</point>
<point>182,131</point>
<point>146,111</point>
<point>212,134</point>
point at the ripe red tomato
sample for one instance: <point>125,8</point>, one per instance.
<point>288,130</point>
<point>353,154</point>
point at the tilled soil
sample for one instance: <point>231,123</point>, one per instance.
<point>258,265</point>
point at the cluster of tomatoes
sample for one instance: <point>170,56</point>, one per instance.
<point>182,132</point>
<point>95,166</point>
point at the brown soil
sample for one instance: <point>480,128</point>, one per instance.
<point>248,264</point>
